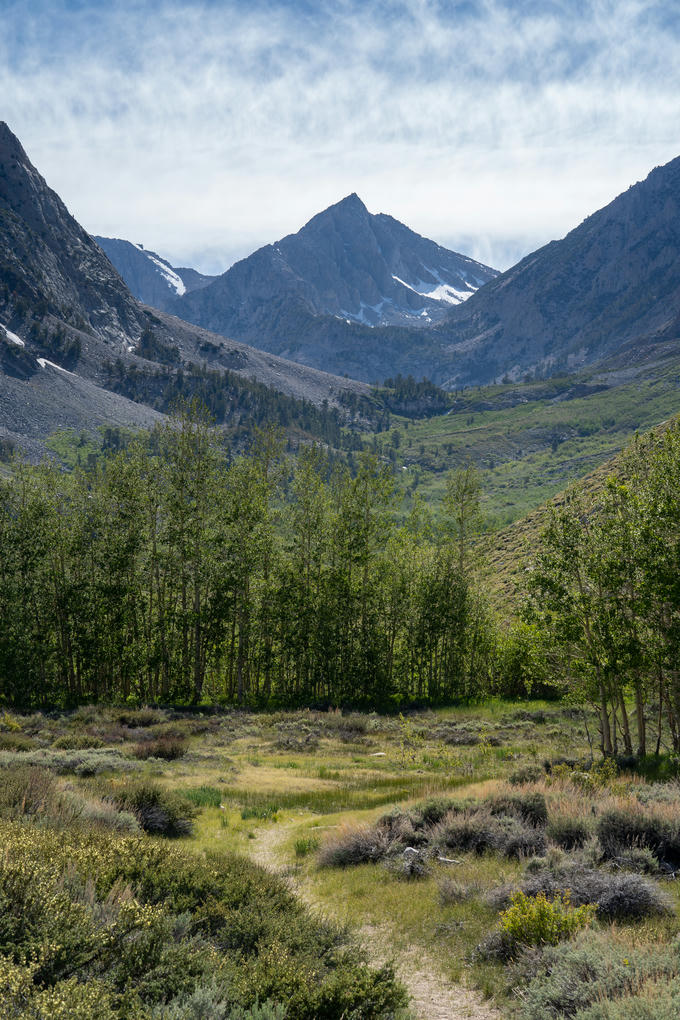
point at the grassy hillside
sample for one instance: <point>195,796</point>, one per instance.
<point>532,440</point>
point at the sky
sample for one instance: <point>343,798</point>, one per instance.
<point>206,128</point>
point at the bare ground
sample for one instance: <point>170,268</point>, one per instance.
<point>433,996</point>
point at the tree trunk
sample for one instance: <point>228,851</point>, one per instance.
<point>640,716</point>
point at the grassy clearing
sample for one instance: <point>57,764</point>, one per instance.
<point>513,806</point>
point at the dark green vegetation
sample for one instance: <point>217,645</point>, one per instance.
<point>164,573</point>
<point>604,587</point>
<point>243,405</point>
<point>101,925</point>
<point>530,440</point>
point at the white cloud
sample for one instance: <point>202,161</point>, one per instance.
<point>204,129</point>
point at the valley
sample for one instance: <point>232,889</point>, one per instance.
<point>339,621</point>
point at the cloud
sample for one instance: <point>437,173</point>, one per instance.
<point>204,129</point>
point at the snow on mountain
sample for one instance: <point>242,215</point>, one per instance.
<point>12,337</point>
<point>150,277</point>
<point>165,269</point>
<point>346,263</point>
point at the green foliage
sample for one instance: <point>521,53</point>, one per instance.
<point>353,846</point>
<point>167,747</point>
<point>306,845</point>
<point>159,812</point>
<point>266,812</point>
<point>569,833</point>
<point>126,929</point>
<point>203,796</point>
<point>479,831</point>
<point>595,977</point>
<point>537,921</point>
<point>76,742</point>
<point>166,572</point>
<point>614,896</point>
<point>88,762</point>
<point>622,829</point>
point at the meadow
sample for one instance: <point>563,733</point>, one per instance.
<point>271,865</point>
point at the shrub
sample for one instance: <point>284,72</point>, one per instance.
<point>473,831</point>
<point>624,828</point>
<point>141,717</point>
<point>16,742</point>
<point>638,859</point>
<point>26,791</point>
<point>591,970</point>
<point>402,830</point>
<point>103,815</point>
<point>159,812</point>
<point>197,938</point>
<point>537,921</point>
<point>79,763</point>
<point>452,891</point>
<point>478,831</point>
<point>169,748</point>
<point>526,774</point>
<point>430,812</point>
<point>355,846</point>
<point>656,1000</point>
<point>568,832</point>
<point>76,742</point>
<point>530,806</point>
<point>614,896</point>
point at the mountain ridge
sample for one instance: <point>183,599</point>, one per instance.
<point>612,280</point>
<point>150,277</point>
<point>67,317</point>
<point>363,268</point>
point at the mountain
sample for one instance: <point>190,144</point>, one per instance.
<point>148,276</point>
<point>347,264</point>
<point>612,282</point>
<point>75,344</point>
<point>48,262</point>
<point>610,287</point>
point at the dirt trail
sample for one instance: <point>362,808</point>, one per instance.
<point>433,996</point>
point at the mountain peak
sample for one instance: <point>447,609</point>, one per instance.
<point>350,201</point>
<point>10,144</point>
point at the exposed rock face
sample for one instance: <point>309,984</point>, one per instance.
<point>66,317</point>
<point>613,280</point>
<point>148,276</point>
<point>346,264</point>
<point>48,261</point>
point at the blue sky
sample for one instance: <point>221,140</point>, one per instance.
<point>204,129</point>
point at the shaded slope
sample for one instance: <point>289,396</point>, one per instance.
<point>312,295</point>
<point>66,314</point>
<point>613,280</point>
<point>151,278</point>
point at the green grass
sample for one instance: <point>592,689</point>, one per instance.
<point>280,807</point>
<point>203,796</point>
<point>531,450</point>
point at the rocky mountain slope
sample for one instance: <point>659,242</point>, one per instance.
<point>147,275</point>
<point>345,263</point>
<point>346,292</point>
<point>71,331</point>
<point>613,281</point>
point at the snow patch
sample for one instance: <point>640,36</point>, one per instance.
<point>44,363</point>
<point>442,291</point>
<point>173,279</point>
<point>12,337</point>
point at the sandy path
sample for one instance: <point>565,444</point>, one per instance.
<point>433,996</point>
